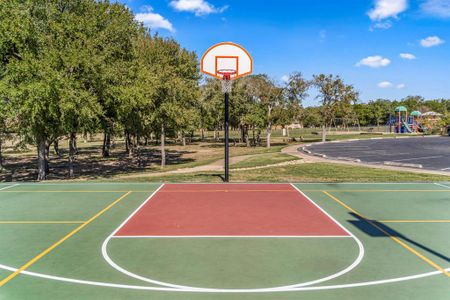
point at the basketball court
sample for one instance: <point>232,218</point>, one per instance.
<point>222,241</point>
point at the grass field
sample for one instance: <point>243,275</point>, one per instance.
<point>61,241</point>
<point>263,160</point>
<point>310,172</point>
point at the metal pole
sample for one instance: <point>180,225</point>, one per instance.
<point>227,153</point>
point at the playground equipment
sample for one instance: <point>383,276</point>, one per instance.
<point>413,120</point>
<point>403,123</point>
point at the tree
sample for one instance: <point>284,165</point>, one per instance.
<point>60,66</point>
<point>333,94</point>
<point>296,91</point>
<point>268,95</point>
<point>175,76</point>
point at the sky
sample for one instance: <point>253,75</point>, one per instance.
<point>386,48</point>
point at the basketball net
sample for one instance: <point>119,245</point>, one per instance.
<point>226,81</point>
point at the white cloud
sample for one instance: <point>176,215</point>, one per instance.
<point>199,7</point>
<point>438,8</point>
<point>381,25</point>
<point>385,9</point>
<point>431,41</point>
<point>407,56</point>
<point>154,20</point>
<point>376,61</point>
<point>385,84</point>
<point>285,78</point>
<point>401,86</point>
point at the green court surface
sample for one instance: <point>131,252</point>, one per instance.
<point>55,243</point>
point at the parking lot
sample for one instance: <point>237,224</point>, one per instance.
<point>432,153</point>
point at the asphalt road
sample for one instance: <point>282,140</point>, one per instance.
<point>433,153</point>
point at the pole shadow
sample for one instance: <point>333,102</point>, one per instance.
<point>369,227</point>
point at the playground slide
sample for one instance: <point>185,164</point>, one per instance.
<point>408,129</point>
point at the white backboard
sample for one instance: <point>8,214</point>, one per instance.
<point>226,56</point>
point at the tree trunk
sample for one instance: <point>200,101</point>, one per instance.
<point>324,133</point>
<point>163,150</point>
<point>268,133</point>
<point>247,138</point>
<point>42,160</point>
<point>56,148</point>
<point>72,151</point>
<point>1,154</point>
<point>138,151</point>
<point>106,150</point>
<point>216,134</point>
<point>183,140</point>
<point>47,158</point>
<point>127,143</point>
<point>253,134</point>
<point>203,134</point>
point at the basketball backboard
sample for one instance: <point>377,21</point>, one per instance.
<point>227,57</point>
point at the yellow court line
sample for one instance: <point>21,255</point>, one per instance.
<point>415,221</point>
<point>46,251</point>
<point>41,222</point>
<point>395,239</point>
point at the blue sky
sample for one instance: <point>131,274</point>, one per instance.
<point>385,48</point>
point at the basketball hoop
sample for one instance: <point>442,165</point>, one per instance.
<point>226,61</point>
<point>226,79</point>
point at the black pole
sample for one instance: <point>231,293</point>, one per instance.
<point>227,154</point>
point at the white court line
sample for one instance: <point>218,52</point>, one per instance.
<point>164,289</point>
<point>226,236</point>
<point>416,158</point>
<point>8,187</point>
<point>438,184</point>
<point>287,287</point>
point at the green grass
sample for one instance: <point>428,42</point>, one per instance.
<point>318,172</point>
<point>263,160</point>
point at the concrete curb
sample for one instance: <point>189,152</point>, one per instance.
<point>303,149</point>
<point>397,164</point>
<point>356,160</point>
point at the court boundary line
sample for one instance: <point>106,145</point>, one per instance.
<point>9,186</point>
<point>380,191</point>
<point>71,191</point>
<point>60,241</point>
<point>395,239</point>
<point>42,222</point>
<point>226,236</point>
<point>164,289</point>
<point>179,287</point>
<point>440,184</point>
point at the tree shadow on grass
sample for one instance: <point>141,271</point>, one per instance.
<point>89,164</point>
<point>374,228</point>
